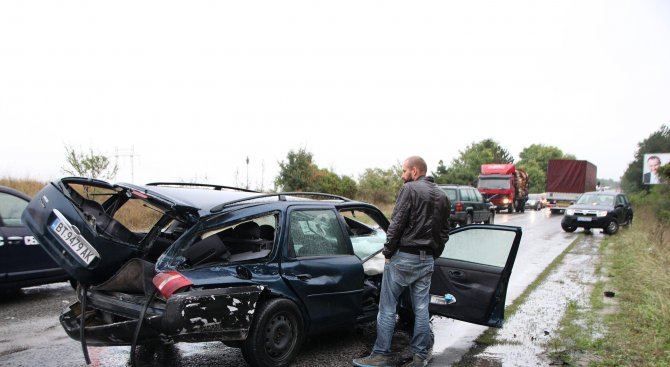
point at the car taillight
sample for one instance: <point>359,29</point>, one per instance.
<point>459,207</point>
<point>168,282</point>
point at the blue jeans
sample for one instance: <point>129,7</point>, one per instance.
<point>405,271</point>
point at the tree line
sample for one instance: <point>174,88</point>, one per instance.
<point>298,172</point>
<point>380,185</point>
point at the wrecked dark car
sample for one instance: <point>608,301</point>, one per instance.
<point>165,263</point>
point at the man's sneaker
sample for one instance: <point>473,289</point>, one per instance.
<point>417,361</point>
<point>373,360</point>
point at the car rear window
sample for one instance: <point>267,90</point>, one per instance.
<point>451,193</point>
<point>136,214</point>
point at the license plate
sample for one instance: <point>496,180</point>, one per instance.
<point>584,219</point>
<point>73,240</point>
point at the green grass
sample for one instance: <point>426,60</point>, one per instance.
<point>633,328</point>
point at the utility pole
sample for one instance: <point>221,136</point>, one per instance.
<point>127,153</point>
<point>262,174</point>
<point>247,173</point>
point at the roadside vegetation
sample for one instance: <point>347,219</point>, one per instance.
<point>627,322</point>
<point>27,186</point>
<point>632,328</point>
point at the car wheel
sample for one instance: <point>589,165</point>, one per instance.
<point>490,220</point>
<point>538,207</point>
<point>568,228</point>
<point>510,208</point>
<point>612,227</point>
<point>629,221</point>
<point>275,336</point>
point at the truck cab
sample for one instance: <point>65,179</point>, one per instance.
<point>505,186</point>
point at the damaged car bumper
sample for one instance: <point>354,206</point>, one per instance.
<point>193,316</point>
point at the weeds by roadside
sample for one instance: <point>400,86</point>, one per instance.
<point>27,186</point>
<point>633,327</point>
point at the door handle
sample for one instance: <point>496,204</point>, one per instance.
<point>456,274</point>
<point>304,277</point>
<point>14,240</point>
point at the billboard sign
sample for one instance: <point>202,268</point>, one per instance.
<point>652,161</point>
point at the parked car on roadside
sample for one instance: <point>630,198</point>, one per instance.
<point>536,202</point>
<point>598,209</point>
<point>468,205</point>
<point>165,263</point>
<point>23,263</point>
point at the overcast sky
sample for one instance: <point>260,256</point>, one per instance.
<point>192,88</point>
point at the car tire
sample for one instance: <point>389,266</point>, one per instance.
<point>612,227</point>
<point>510,208</point>
<point>629,221</point>
<point>491,217</point>
<point>275,336</point>
<point>568,228</point>
<point>537,208</point>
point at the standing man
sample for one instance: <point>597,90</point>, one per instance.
<point>416,236</point>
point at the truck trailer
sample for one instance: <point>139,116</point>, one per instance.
<point>566,180</point>
<point>505,186</point>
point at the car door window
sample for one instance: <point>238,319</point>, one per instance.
<point>316,233</point>
<point>11,208</point>
<point>367,237</point>
<point>480,246</point>
<point>620,200</point>
<point>465,195</point>
<point>478,196</point>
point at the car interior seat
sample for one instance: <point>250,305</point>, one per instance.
<point>205,250</point>
<point>267,232</point>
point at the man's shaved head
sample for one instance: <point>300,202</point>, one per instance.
<point>418,162</point>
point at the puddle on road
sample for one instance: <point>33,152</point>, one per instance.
<point>523,340</point>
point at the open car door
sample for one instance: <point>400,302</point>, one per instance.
<point>91,227</point>
<point>473,274</point>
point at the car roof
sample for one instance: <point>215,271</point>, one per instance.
<point>213,201</point>
<point>202,199</point>
<point>449,186</point>
<point>607,193</point>
<point>11,191</point>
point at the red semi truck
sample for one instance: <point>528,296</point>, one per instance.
<point>566,180</point>
<point>504,185</point>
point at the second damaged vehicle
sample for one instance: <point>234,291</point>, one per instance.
<point>167,263</point>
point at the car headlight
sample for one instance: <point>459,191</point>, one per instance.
<point>601,213</point>
<point>506,201</point>
<point>569,212</point>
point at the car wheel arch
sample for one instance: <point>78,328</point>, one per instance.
<point>274,313</point>
<point>612,227</point>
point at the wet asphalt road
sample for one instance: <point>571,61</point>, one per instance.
<point>30,334</point>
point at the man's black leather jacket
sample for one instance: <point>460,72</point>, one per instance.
<point>420,218</point>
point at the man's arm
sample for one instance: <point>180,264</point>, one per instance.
<point>399,220</point>
<point>444,231</point>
